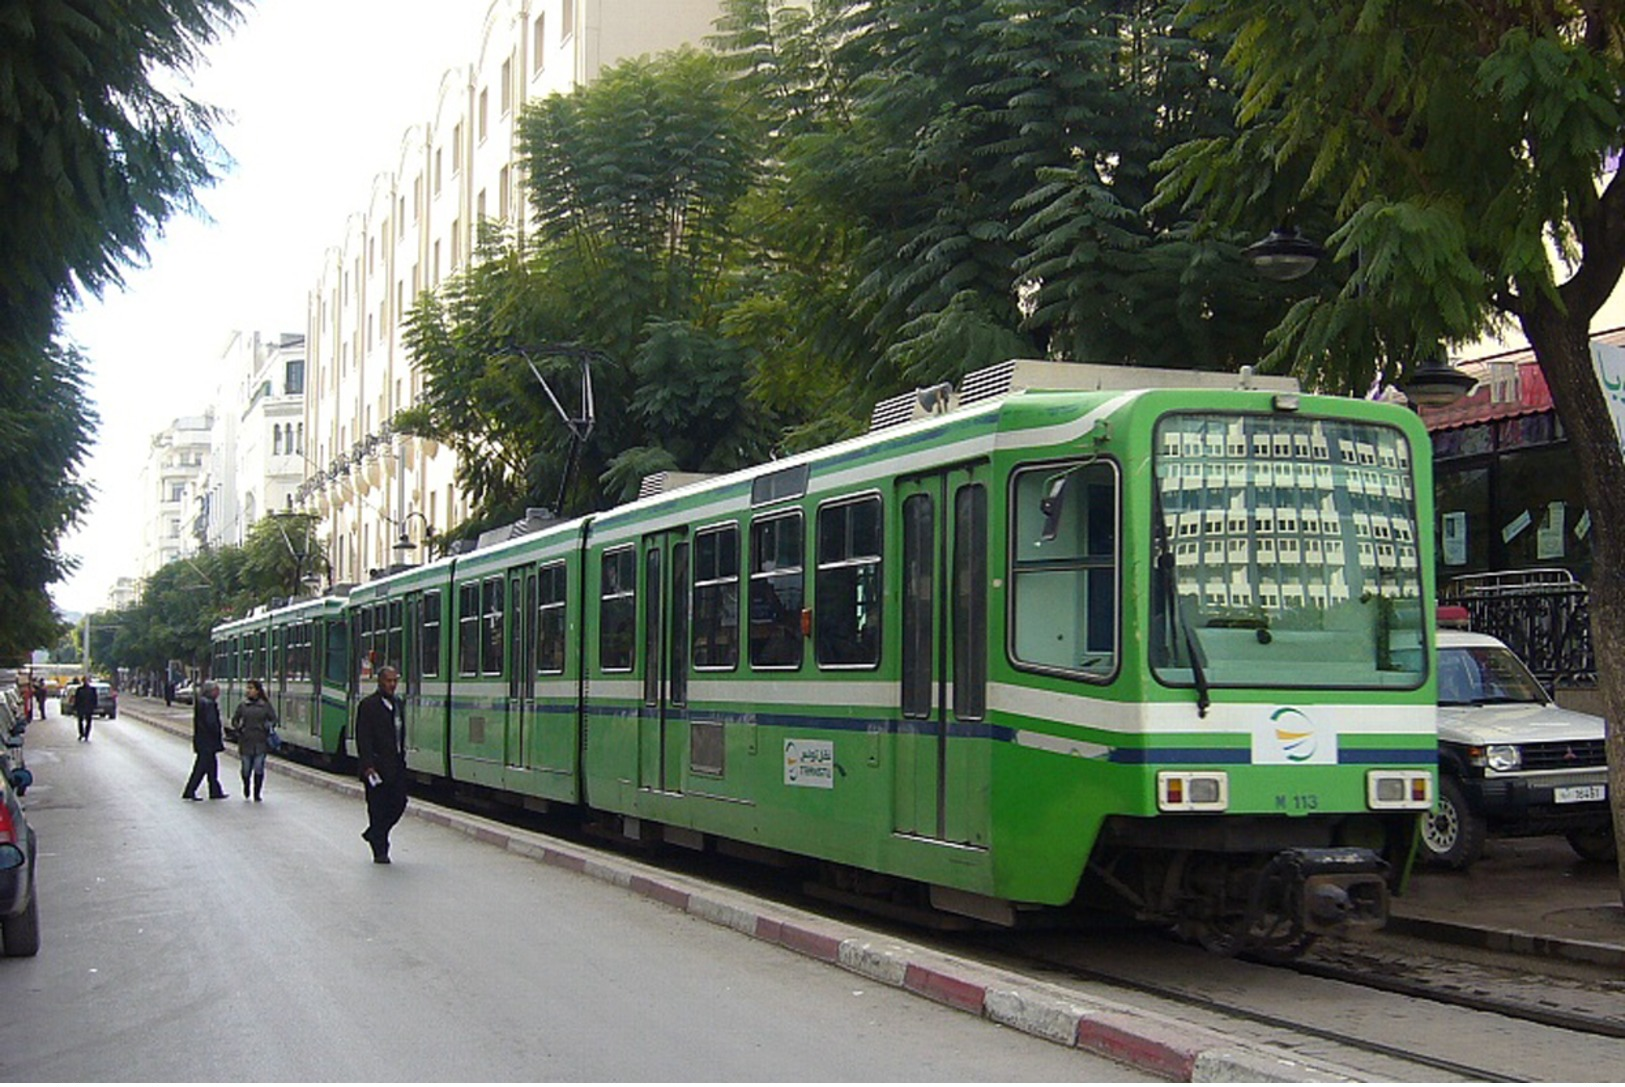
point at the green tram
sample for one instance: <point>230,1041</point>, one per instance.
<point>1163,649</point>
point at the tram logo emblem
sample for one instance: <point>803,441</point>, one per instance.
<point>1291,737</point>
<point>809,764</point>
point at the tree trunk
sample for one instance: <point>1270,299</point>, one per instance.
<point>1562,347</point>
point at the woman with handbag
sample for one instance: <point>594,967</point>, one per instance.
<point>255,722</point>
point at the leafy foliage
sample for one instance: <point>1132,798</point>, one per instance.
<point>94,156</point>
<point>638,175</point>
<point>184,600</point>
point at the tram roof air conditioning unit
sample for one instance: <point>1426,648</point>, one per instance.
<point>1023,375</point>
<point>663,482</point>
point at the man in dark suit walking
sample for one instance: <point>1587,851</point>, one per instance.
<point>84,707</point>
<point>380,746</point>
<point>207,742</point>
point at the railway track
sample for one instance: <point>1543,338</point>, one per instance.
<point>1399,1002</point>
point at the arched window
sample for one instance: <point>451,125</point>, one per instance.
<point>276,438</point>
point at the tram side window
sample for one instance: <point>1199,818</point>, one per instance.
<point>395,647</point>
<point>468,629</point>
<point>338,652</point>
<point>617,610</point>
<point>429,664</point>
<point>1064,567</point>
<point>846,610</point>
<point>550,601</point>
<point>491,648</point>
<point>776,591</point>
<point>716,597</point>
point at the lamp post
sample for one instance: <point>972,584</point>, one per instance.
<point>1284,255</point>
<point>405,544</point>
<point>1434,383</point>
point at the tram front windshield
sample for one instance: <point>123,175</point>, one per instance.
<point>1286,553</point>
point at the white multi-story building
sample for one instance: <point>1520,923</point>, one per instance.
<point>418,227</point>
<point>174,488</point>
<point>257,462</point>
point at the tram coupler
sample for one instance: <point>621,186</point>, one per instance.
<point>1335,889</point>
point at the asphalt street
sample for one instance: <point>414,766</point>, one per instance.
<point>229,940</point>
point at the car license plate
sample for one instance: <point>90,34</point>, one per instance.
<point>1575,794</point>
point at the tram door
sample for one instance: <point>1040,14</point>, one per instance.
<point>942,769</point>
<point>663,715</point>
<point>521,708</point>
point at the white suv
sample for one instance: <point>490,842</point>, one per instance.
<point>1511,762</point>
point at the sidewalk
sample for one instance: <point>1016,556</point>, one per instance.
<point>1528,895</point>
<point>1532,896</point>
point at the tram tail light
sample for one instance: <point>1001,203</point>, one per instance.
<point>1193,790</point>
<point>1399,790</point>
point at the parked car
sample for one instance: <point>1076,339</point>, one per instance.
<point>106,699</point>
<point>184,692</point>
<point>19,906</point>
<point>1512,763</point>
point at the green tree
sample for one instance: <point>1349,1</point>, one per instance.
<point>1465,151</point>
<point>959,183</point>
<point>95,154</point>
<point>635,179</point>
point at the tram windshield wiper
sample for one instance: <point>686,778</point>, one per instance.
<point>1176,618</point>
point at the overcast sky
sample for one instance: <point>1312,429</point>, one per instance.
<point>319,94</point>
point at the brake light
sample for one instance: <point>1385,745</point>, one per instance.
<point>8,826</point>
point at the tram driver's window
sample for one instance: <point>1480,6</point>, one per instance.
<point>1064,567</point>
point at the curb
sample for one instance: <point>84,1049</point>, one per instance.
<point>1148,1042</point>
<point>1508,940</point>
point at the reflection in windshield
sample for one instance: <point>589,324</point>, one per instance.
<point>1293,547</point>
<point>1483,674</point>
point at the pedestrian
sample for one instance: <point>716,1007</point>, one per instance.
<point>380,745</point>
<point>169,693</point>
<point>84,707</point>
<point>27,689</point>
<point>253,721</point>
<point>39,696</point>
<point>207,742</point>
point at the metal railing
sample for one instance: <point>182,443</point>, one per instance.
<point>1543,615</point>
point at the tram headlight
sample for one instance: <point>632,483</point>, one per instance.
<point>1389,790</point>
<point>1203,790</point>
<point>1503,757</point>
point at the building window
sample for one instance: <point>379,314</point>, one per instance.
<point>456,243</point>
<point>293,377</point>
<point>507,87</point>
<point>437,158</point>
<point>567,21</point>
<point>456,148</point>
<point>485,112</point>
<point>538,41</point>
<point>502,193</point>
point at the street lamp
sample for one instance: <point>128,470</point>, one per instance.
<point>1285,255</point>
<point>405,544</point>
<point>1434,383</point>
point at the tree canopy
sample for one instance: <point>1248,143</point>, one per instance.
<point>95,154</point>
